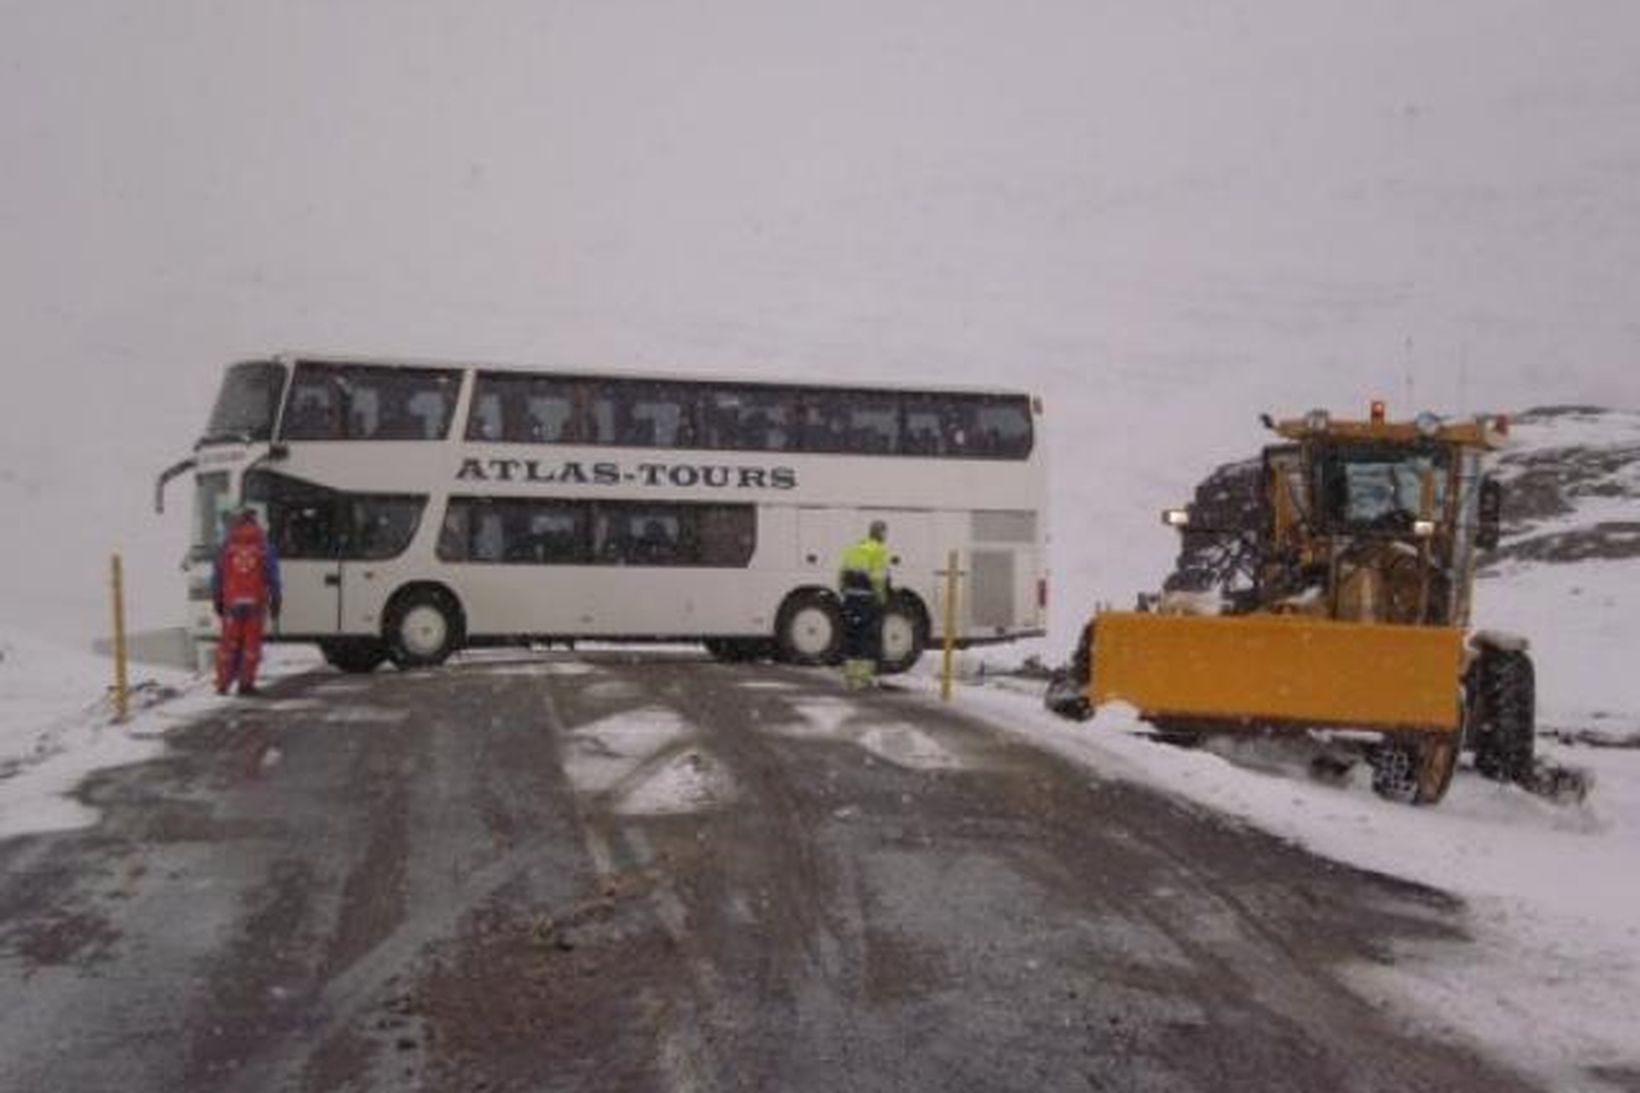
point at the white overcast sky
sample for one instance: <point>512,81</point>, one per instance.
<point>1146,210</point>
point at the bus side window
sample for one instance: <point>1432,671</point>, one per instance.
<point>720,416</point>
<point>874,425</point>
<point>581,422</point>
<point>314,411</point>
<point>363,411</point>
<point>656,543</point>
<point>725,535</point>
<point>822,421</point>
<point>382,526</point>
<point>666,412</point>
<point>452,535</point>
<point>484,423</point>
<point>922,434</point>
<point>489,541</point>
<point>957,428</point>
<point>305,521</point>
<point>426,412</point>
<point>548,416</point>
<point>612,542</point>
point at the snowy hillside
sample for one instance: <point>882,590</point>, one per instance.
<point>1567,574</point>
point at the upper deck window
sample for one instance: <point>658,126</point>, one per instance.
<point>1001,427</point>
<point>369,402</point>
<point>750,417</point>
<point>862,422</point>
<point>246,404</point>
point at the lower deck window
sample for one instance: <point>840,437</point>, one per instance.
<point>307,521</point>
<point>550,531</point>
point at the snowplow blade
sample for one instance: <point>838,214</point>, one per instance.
<point>1279,668</point>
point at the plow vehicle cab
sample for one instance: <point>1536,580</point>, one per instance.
<point>1329,588</point>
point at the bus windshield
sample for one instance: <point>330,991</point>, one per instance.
<point>247,402</point>
<point>212,503</point>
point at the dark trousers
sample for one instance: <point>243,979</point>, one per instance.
<point>862,625</point>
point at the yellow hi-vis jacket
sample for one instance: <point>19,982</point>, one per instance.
<point>867,558</point>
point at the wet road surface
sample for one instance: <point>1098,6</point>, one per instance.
<point>655,872</point>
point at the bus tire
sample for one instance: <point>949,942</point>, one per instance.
<point>809,628</point>
<point>422,627</point>
<point>353,654</point>
<point>904,635</point>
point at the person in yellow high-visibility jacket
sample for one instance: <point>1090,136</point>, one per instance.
<point>862,581</point>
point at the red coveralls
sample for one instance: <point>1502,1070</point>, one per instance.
<point>245,587</point>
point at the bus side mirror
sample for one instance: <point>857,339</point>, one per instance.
<point>175,469</point>
<point>1489,518</point>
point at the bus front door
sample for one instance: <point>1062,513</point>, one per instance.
<point>310,567</point>
<point>307,525</point>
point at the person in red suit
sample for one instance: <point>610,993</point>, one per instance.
<point>245,590</point>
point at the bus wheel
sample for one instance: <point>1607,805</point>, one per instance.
<point>809,628</point>
<point>423,627</point>
<point>353,654</point>
<point>904,636</point>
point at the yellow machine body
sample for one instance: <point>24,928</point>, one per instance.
<point>1274,667</point>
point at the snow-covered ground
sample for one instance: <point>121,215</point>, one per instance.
<point>1553,895</point>
<point>57,723</point>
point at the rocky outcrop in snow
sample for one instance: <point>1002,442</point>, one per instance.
<point>1571,478</point>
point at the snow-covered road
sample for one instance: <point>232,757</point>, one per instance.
<point>651,871</point>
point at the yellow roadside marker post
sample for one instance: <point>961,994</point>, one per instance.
<point>122,697</point>
<point>951,573</point>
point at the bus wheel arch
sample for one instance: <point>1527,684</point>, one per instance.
<point>422,625</point>
<point>808,628</point>
<point>904,634</point>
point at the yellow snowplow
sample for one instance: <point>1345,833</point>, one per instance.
<point>1328,587</point>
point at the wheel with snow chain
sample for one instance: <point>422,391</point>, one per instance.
<point>353,654</point>
<point>422,628</point>
<point>809,628</point>
<point>1505,714</point>
<point>1414,770</point>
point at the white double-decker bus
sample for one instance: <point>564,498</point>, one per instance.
<point>419,508</point>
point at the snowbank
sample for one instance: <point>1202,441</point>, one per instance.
<point>56,724</point>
